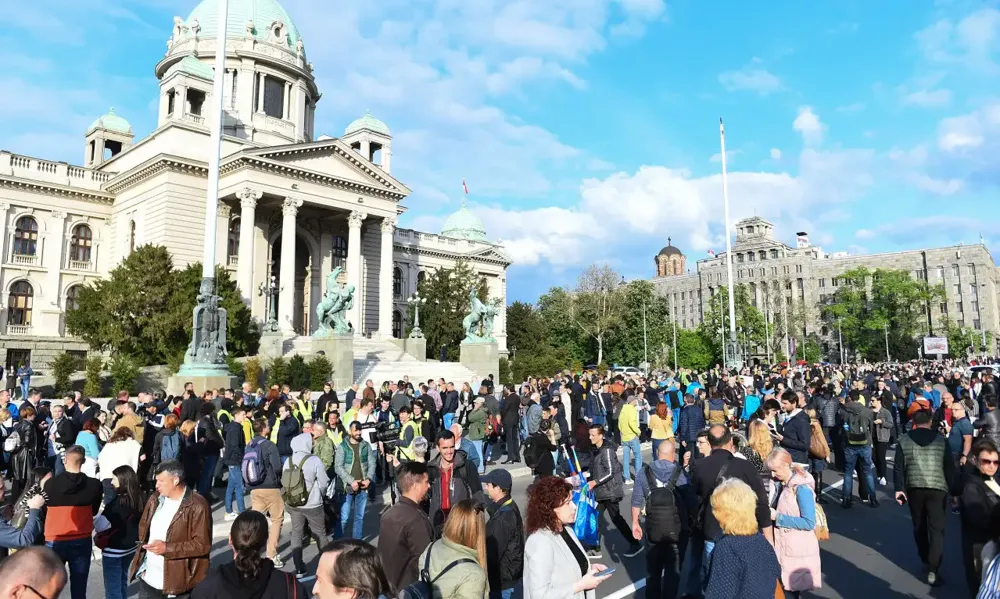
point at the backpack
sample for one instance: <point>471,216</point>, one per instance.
<point>663,519</point>
<point>530,455</point>
<point>424,587</point>
<point>253,466</point>
<point>858,428</point>
<point>170,447</point>
<point>12,443</point>
<point>293,484</point>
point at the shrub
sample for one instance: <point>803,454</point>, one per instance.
<point>298,372</point>
<point>506,372</point>
<point>320,369</point>
<point>277,372</point>
<point>234,365</point>
<point>92,386</point>
<point>175,361</point>
<point>251,372</point>
<point>63,366</point>
<point>124,372</point>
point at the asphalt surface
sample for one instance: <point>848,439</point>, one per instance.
<point>871,552</point>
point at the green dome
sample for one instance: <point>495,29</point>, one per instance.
<point>463,224</point>
<point>261,12</point>
<point>368,122</point>
<point>111,122</point>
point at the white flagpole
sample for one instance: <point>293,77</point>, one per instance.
<point>215,146</point>
<point>729,247</point>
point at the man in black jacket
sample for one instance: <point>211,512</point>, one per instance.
<point>404,530</point>
<point>706,474</point>
<point>606,483</point>
<point>232,459</point>
<point>504,536</point>
<point>510,415</point>
<point>794,434</point>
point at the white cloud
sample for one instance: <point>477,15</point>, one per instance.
<point>808,125</point>
<point>775,154</point>
<point>968,131</point>
<point>928,98</point>
<point>753,77</point>
<point>943,187</point>
<point>864,234</point>
<point>970,41</point>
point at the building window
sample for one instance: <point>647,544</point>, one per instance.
<point>339,251</point>
<point>785,269</point>
<point>397,324</point>
<point>739,258</point>
<point>774,254</point>
<point>973,291</point>
<point>25,236</point>
<point>974,306</point>
<point>233,247</point>
<point>73,297</point>
<point>958,308</point>
<point>131,236</point>
<point>774,270</point>
<point>274,97</point>
<point>939,273</point>
<point>822,282</point>
<point>81,243</point>
<point>835,281</point>
<point>763,255</point>
<point>971,269</point>
<point>943,307</point>
<point>954,270</point>
<point>397,281</point>
<point>19,304</point>
<point>975,323</point>
<point>798,268</point>
<point>763,271</point>
<point>750,256</point>
<point>956,289</point>
<point>421,277</point>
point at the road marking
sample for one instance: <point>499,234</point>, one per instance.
<point>629,590</point>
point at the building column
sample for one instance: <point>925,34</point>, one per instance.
<point>386,158</point>
<point>286,298</point>
<point>180,103</point>
<point>248,219</point>
<point>224,212</point>
<point>260,92</point>
<point>385,296</point>
<point>285,112</point>
<point>354,222</point>
<point>366,148</point>
<point>4,207</point>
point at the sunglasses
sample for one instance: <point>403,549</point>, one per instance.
<point>986,462</point>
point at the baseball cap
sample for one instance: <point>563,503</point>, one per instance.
<point>499,478</point>
<point>917,406</point>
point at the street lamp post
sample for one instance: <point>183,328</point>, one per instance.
<point>645,352</point>
<point>733,358</point>
<point>206,355</point>
<point>416,301</point>
<point>673,317</point>
<point>840,337</point>
<point>271,292</point>
<point>887,358</point>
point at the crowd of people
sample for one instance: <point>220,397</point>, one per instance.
<point>730,505</point>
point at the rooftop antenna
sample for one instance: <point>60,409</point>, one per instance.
<point>465,198</point>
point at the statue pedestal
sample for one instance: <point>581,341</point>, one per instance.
<point>339,350</point>
<point>202,383</point>
<point>413,346</point>
<point>272,345</point>
<point>482,357</point>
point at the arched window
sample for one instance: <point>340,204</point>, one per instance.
<point>73,297</point>
<point>339,251</point>
<point>397,281</point>
<point>397,324</point>
<point>25,236</point>
<point>81,243</point>
<point>233,247</point>
<point>131,236</point>
<point>421,277</point>
<point>19,303</point>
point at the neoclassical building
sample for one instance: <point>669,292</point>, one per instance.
<point>293,205</point>
<point>782,279</point>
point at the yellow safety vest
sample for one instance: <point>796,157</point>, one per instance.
<point>304,408</point>
<point>335,436</point>
<point>219,418</point>
<point>274,431</point>
<point>247,431</point>
<point>407,452</point>
<point>350,417</point>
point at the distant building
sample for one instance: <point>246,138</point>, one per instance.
<point>798,280</point>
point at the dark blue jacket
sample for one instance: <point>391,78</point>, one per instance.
<point>795,435</point>
<point>692,421</point>
<point>742,568</point>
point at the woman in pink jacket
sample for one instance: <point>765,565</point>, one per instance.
<point>794,523</point>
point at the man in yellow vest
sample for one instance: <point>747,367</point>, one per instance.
<point>303,407</point>
<point>410,430</point>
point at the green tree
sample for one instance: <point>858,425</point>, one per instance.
<point>644,328</point>
<point>277,372</point>
<point>525,328</point>
<point>63,366</point>
<point>242,332</point>
<point>694,350</point>
<point>554,308</point>
<point>320,369</point>
<point>92,385</point>
<point>298,372</point>
<point>750,329</point>
<point>124,373</point>
<point>597,304</point>
<point>447,292</point>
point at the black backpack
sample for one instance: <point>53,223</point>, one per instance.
<point>663,518</point>
<point>530,453</point>
<point>858,428</point>
<point>424,587</point>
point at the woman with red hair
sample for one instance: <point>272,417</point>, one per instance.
<point>555,564</point>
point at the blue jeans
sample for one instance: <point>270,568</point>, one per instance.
<point>852,453</point>
<point>116,576</point>
<point>449,419</point>
<point>24,389</point>
<point>482,457</point>
<point>77,555</point>
<point>677,418</point>
<point>234,488</point>
<point>636,450</point>
<point>358,500</point>
<point>207,474</point>
<point>706,562</point>
<point>505,594</point>
<point>656,443</point>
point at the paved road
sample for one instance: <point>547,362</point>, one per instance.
<point>870,552</point>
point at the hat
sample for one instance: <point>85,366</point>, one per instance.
<point>479,399</point>
<point>499,478</point>
<point>918,405</point>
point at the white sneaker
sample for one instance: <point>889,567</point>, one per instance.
<point>278,564</point>
<point>881,481</point>
<point>231,517</point>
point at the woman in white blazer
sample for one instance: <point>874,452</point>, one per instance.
<point>555,563</point>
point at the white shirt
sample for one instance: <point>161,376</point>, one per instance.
<point>158,527</point>
<point>367,434</point>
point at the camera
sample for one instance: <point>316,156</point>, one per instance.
<point>387,433</point>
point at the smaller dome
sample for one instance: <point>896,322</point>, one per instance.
<point>670,250</point>
<point>463,224</point>
<point>111,122</point>
<point>368,122</point>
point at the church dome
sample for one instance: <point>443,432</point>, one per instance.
<point>463,224</point>
<point>111,122</point>
<point>368,122</point>
<point>670,250</point>
<point>262,12</point>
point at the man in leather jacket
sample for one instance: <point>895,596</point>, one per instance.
<point>990,421</point>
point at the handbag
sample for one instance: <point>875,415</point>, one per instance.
<point>818,447</point>
<point>822,528</point>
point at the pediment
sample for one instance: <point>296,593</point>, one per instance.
<point>332,158</point>
<point>492,253</point>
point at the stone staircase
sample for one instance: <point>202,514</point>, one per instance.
<point>384,361</point>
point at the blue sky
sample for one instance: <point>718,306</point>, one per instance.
<point>588,129</point>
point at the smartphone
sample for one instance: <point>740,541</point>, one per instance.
<point>607,572</point>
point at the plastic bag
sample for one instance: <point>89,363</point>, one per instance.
<point>586,517</point>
